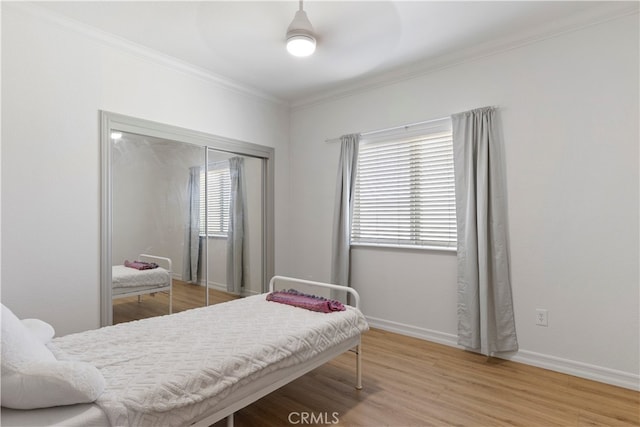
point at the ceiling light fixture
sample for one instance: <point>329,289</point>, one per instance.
<point>301,41</point>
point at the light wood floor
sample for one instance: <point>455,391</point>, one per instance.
<point>412,382</point>
<point>185,296</point>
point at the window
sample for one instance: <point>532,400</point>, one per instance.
<point>218,189</point>
<point>404,192</point>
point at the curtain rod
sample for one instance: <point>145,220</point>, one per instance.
<point>373,132</point>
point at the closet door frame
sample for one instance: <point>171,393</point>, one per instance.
<point>111,122</point>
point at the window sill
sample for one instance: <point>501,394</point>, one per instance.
<point>214,236</point>
<point>411,247</point>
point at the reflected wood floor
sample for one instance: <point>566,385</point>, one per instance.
<point>412,382</point>
<point>185,296</point>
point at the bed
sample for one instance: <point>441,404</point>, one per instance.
<point>127,282</point>
<point>187,369</point>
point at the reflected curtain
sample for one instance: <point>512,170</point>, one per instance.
<point>343,211</point>
<point>192,234</point>
<point>485,307</point>
<point>236,230</point>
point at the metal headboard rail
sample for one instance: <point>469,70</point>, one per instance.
<point>355,301</point>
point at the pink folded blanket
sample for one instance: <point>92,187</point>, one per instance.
<point>309,302</point>
<point>140,265</point>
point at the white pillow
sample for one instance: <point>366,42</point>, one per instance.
<point>33,378</point>
<point>43,331</point>
<point>19,345</point>
<point>46,384</point>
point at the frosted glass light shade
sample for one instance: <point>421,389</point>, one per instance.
<point>301,45</point>
<point>301,40</point>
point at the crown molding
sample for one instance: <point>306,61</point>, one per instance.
<point>142,52</point>
<point>354,86</point>
<point>421,68</point>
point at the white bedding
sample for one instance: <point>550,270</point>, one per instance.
<point>90,414</point>
<point>80,415</point>
<point>200,355</point>
<point>126,277</point>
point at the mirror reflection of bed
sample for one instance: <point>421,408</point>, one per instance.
<point>185,296</point>
<point>199,209</point>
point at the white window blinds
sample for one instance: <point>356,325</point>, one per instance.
<point>218,187</point>
<point>405,193</point>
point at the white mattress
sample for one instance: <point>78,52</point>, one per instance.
<point>126,277</point>
<point>171,370</point>
<point>82,415</point>
<point>243,393</point>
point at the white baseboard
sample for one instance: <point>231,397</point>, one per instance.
<point>578,369</point>
<point>218,286</point>
<point>553,363</point>
<point>414,331</point>
<point>223,287</point>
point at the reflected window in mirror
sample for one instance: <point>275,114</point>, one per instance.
<point>216,212</point>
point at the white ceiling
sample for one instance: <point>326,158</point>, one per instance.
<point>359,42</point>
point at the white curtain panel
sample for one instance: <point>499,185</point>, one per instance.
<point>485,305</point>
<point>341,244</point>
<point>235,236</point>
<point>192,232</point>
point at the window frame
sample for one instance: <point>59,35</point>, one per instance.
<point>218,168</point>
<point>419,225</point>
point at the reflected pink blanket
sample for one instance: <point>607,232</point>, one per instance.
<point>140,265</point>
<point>309,302</point>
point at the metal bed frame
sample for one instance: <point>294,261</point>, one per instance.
<point>353,345</point>
<point>233,402</point>
<point>162,262</point>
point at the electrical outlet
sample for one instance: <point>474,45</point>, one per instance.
<point>542,317</point>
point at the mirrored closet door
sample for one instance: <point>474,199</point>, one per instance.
<point>187,219</point>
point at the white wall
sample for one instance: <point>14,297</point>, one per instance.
<point>569,107</point>
<point>54,81</point>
